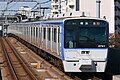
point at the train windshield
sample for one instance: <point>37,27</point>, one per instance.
<point>85,36</point>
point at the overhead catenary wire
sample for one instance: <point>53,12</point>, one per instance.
<point>40,3</point>
<point>12,5</point>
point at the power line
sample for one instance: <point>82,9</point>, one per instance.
<point>12,5</point>
<point>40,4</point>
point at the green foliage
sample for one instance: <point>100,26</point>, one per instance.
<point>115,42</point>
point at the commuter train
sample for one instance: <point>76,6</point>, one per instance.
<point>81,43</point>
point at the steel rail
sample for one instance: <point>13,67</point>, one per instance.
<point>14,74</point>
<point>27,68</point>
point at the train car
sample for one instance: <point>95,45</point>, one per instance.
<point>81,43</point>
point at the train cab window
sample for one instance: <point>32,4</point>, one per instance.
<point>95,34</point>
<point>44,33</point>
<point>70,37</point>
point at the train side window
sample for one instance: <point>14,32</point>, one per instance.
<point>44,33</point>
<point>55,34</point>
<point>52,33</point>
<point>31,31</point>
<point>58,35</point>
<point>26,30</point>
<point>49,34</point>
<point>36,31</point>
<point>39,32</point>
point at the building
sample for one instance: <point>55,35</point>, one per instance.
<point>55,6</point>
<point>117,17</point>
<point>72,5</point>
<point>105,10</point>
<point>58,6</point>
<point>25,10</point>
<point>63,6</point>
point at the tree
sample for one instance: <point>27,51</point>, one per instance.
<point>114,41</point>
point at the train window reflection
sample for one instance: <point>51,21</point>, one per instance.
<point>84,37</point>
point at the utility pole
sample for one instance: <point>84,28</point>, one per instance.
<point>6,12</point>
<point>39,9</point>
<point>38,5</point>
<point>6,21</point>
<point>98,8</point>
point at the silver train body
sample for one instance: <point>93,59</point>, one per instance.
<point>81,43</point>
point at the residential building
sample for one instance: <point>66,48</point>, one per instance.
<point>25,10</point>
<point>55,5</point>
<point>72,5</point>
<point>63,6</point>
<point>107,9</point>
<point>117,17</point>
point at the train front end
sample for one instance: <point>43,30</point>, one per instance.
<point>85,45</point>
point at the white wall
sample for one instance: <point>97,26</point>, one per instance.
<point>107,9</point>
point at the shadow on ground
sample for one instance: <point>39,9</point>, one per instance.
<point>113,65</point>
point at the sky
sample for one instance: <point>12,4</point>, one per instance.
<point>17,5</point>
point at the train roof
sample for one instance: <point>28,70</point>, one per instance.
<point>60,20</point>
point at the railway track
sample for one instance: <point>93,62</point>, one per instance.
<point>39,65</point>
<point>24,64</point>
<point>17,67</point>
